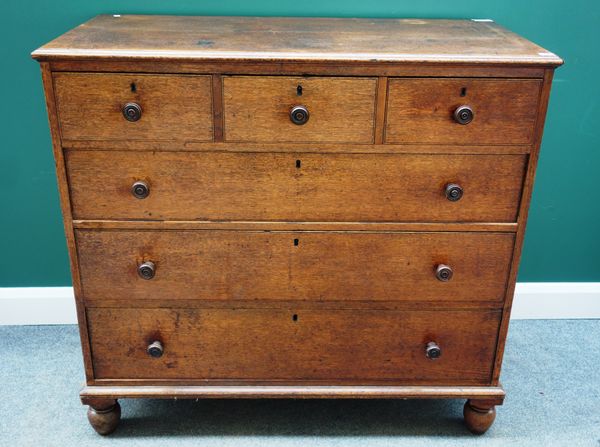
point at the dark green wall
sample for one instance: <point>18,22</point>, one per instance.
<point>562,242</point>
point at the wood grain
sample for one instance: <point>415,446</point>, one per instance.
<point>420,111</point>
<point>381,103</point>
<point>270,186</point>
<point>338,345</point>
<point>243,265</point>
<point>293,391</point>
<point>300,68</point>
<point>257,108</point>
<point>294,261</point>
<point>295,39</point>
<point>523,213</point>
<point>479,415</point>
<point>174,107</point>
<point>439,304</point>
<point>318,148</point>
<point>65,206</point>
<point>494,227</point>
<point>217,111</point>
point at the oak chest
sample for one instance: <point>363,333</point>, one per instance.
<point>295,208</point>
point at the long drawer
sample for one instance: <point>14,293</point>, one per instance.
<point>462,111</point>
<point>323,266</point>
<point>280,344</point>
<point>295,187</point>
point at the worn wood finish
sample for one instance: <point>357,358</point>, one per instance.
<point>523,212</point>
<point>421,111</point>
<point>319,148</point>
<point>294,261</point>
<point>380,104</point>
<point>296,392</point>
<point>495,227</point>
<point>103,414</point>
<point>174,107</point>
<point>479,415</point>
<point>257,186</point>
<point>239,344</point>
<point>242,265</point>
<point>301,68</point>
<point>217,103</point>
<point>65,206</point>
<point>295,39</point>
<point>439,304</point>
<point>257,109</point>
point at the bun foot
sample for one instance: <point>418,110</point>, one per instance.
<point>479,415</point>
<point>104,416</point>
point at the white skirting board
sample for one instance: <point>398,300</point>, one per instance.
<point>535,300</point>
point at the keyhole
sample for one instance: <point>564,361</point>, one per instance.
<point>296,242</point>
<point>298,164</point>
<point>133,87</point>
<point>299,90</point>
<point>295,317</point>
<point>463,91</point>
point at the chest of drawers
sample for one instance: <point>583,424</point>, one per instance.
<point>294,208</point>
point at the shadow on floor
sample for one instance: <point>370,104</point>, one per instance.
<point>152,417</point>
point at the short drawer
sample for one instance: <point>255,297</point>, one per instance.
<point>281,344</point>
<point>317,266</point>
<point>299,109</point>
<point>462,111</point>
<point>122,107</point>
<point>295,187</point>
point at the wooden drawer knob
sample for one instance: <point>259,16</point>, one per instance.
<point>132,111</point>
<point>443,272</point>
<point>432,350</point>
<point>155,349</point>
<point>147,270</point>
<point>453,191</point>
<point>299,115</point>
<point>140,190</point>
<point>463,115</point>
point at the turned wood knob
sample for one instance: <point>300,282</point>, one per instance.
<point>463,115</point>
<point>147,270</point>
<point>140,190</point>
<point>299,115</point>
<point>433,351</point>
<point>443,272</point>
<point>132,111</point>
<point>453,192</point>
<point>155,349</point>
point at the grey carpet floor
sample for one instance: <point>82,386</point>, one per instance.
<point>551,374</point>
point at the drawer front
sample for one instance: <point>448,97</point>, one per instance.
<point>422,111</point>
<point>274,344</point>
<point>295,187</point>
<point>257,109</point>
<point>319,266</point>
<point>173,107</point>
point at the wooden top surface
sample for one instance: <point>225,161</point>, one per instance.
<point>197,38</point>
